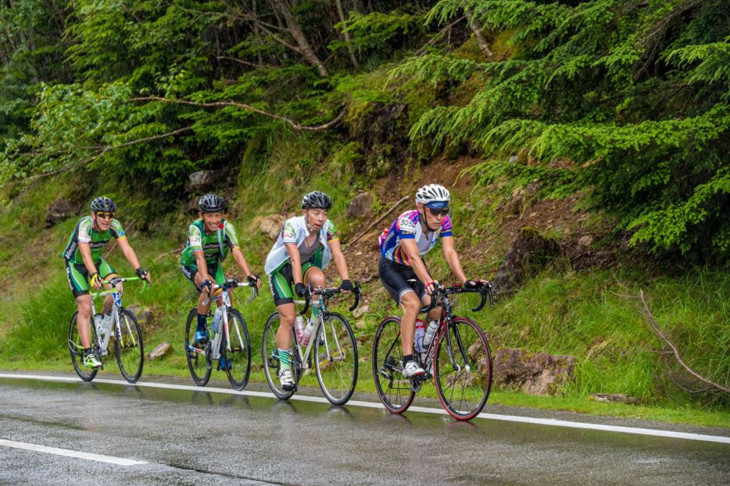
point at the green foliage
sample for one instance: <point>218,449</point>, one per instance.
<point>636,95</point>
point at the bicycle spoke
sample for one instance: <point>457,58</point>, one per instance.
<point>128,346</point>
<point>237,351</point>
<point>393,388</point>
<point>270,356</point>
<point>336,359</point>
<point>197,355</point>
<point>77,350</point>
<point>463,369</point>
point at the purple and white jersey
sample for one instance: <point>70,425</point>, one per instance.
<point>408,226</point>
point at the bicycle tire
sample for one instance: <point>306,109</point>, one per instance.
<point>271,360</point>
<point>128,346</point>
<point>463,389</point>
<point>76,349</point>
<point>198,357</point>
<point>336,373</point>
<point>394,390</point>
<point>239,356</point>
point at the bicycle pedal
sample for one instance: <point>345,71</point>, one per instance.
<point>416,385</point>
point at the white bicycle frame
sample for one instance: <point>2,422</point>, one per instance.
<point>225,303</point>
<point>101,330</point>
<point>304,357</point>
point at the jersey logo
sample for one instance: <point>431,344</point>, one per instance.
<point>407,225</point>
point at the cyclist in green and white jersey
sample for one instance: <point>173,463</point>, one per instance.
<point>83,257</point>
<point>303,249</point>
<point>210,239</point>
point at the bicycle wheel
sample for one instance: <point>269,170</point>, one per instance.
<point>77,350</point>
<point>393,388</point>
<point>128,346</point>
<point>239,354</point>
<point>335,355</point>
<point>270,357</point>
<point>463,384</point>
<point>199,362</point>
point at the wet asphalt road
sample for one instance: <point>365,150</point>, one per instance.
<point>198,437</point>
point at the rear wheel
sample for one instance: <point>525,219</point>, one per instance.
<point>270,355</point>
<point>198,356</point>
<point>128,346</point>
<point>336,359</point>
<point>463,384</point>
<point>238,354</point>
<point>393,388</point>
<point>77,350</point>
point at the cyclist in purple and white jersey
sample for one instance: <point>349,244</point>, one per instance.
<point>412,235</point>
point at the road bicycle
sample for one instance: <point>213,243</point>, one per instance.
<point>458,359</point>
<point>331,346</point>
<point>120,326</point>
<point>228,342</point>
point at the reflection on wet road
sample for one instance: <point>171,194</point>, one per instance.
<point>193,437</point>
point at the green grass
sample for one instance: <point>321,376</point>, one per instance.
<point>594,315</point>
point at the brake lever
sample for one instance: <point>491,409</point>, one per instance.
<point>356,291</point>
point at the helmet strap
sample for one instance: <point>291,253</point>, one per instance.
<point>424,220</point>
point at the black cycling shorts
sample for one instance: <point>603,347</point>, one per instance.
<point>395,278</point>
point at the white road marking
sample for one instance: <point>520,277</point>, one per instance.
<point>437,411</point>
<point>69,453</point>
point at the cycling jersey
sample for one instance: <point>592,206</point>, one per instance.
<point>408,226</point>
<point>215,245</point>
<point>84,232</point>
<point>295,231</point>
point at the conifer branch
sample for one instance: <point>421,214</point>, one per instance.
<point>220,104</point>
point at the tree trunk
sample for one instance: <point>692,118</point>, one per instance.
<point>483,45</point>
<point>346,35</point>
<point>293,28</point>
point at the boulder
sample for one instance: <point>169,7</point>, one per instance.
<point>160,351</point>
<point>59,210</point>
<point>360,205</point>
<point>270,225</point>
<point>529,252</point>
<point>610,397</point>
<point>533,373</point>
<point>144,314</point>
<point>204,179</point>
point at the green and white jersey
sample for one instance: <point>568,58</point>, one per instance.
<point>84,232</point>
<point>295,231</point>
<point>215,245</point>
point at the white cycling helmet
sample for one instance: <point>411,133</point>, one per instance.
<point>434,196</point>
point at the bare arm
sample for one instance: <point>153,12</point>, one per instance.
<point>339,259</point>
<point>296,262</point>
<point>85,250</point>
<point>452,258</point>
<point>241,261</point>
<point>414,258</point>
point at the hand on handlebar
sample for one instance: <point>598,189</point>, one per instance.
<point>301,290</point>
<point>346,285</point>
<point>254,280</point>
<point>206,286</point>
<point>432,287</point>
<point>475,284</point>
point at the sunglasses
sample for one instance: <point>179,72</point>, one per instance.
<point>437,212</point>
<point>104,215</point>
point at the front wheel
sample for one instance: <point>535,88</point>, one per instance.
<point>237,353</point>
<point>198,356</point>
<point>393,388</point>
<point>336,359</point>
<point>463,369</point>
<point>77,349</point>
<point>128,346</point>
<point>270,355</point>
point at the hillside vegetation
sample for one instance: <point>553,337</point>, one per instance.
<point>606,119</point>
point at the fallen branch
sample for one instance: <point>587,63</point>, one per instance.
<point>650,318</point>
<point>220,104</point>
<point>349,243</point>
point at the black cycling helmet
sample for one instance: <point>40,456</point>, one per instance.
<point>316,200</point>
<point>103,204</point>
<point>210,203</point>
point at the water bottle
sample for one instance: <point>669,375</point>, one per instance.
<point>299,328</point>
<point>418,338</point>
<point>217,318</point>
<point>106,323</point>
<point>432,326</point>
<point>307,331</point>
